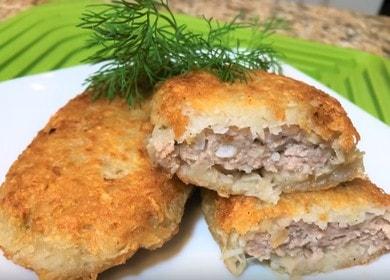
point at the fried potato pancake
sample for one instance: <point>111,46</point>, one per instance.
<point>267,136</point>
<point>84,197</point>
<point>304,232</point>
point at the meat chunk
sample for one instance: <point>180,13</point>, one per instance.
<point>312,241</point>
<point>264,164</point>
<point>290,150</point>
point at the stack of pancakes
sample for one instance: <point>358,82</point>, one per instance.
<point>283,181</point>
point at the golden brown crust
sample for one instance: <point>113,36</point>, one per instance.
<point>85,187</point>
<point>241,214</point>
<point>203,92</point>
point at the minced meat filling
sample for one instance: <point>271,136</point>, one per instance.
<point>238,150</point>
<point>312,241</point>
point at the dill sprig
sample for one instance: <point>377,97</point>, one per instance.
<point>142,44</point>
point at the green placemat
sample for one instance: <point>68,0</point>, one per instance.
<point>45,38</point>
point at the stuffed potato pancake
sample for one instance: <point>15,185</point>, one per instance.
<point>84,196</point>
<point>269,135</point>
<point>305,232</point>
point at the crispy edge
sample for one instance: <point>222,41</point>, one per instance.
<point>78,273</point>
<point>203,91</point>
<point>241,214</point>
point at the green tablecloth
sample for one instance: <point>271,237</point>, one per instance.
<point>45,38</point>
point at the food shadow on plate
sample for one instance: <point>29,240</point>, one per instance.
<point>146,259</point>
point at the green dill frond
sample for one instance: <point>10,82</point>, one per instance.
<point>142,44</point>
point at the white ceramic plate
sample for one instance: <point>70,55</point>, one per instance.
<point>25,107</point>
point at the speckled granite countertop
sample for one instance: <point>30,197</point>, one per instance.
<point>316,23</point>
